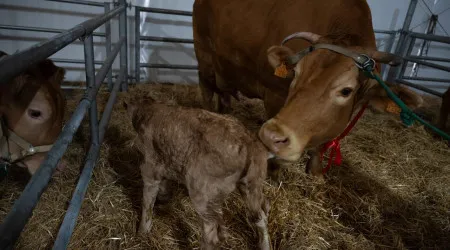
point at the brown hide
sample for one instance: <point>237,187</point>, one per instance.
<point>211,154</point>
<point>237,47</point>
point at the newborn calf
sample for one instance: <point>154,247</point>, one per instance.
<point>211,154</point>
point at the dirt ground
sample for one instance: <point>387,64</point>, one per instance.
<point>391,192</point>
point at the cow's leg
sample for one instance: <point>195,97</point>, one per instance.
<point>224,103</point>
<point>259,208</point>
<point>314,164</point>
<point>207,83</point>
<point>224,100</point>
<point>445,110</point>
<point>150,192</point>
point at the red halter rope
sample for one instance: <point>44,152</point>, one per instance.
<point>335,145</point>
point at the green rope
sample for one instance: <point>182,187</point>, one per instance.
<point>407,116</point>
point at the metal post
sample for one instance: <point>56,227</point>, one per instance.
<point>137,43</point>
<point>108,43</point>
<point>90,82</point>
<point>123,50</point>
<point>389,45</point>
<point>423,50</point>
<point>411,42</point>
<point>401,40</point>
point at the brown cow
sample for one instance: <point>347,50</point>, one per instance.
<point>209,153</point>
<point>236,45</point>
<point>31,112</point>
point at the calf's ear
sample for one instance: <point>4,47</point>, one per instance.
<point>379,100</point>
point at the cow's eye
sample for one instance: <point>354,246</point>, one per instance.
<point>34,113</point>
<point>346,91</point>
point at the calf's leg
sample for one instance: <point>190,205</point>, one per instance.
<point>207,202</point>
<point>150,191</point>
<point>259,210</point>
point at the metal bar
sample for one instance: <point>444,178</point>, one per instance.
<point>393,72</point>
<point>68,225</point>
<point>12,65</point>
<point>430,58</point>
<point>166,39</point>
<point>73,87</point>
<point>166,11</point>
<point>39,29</point>
<point>21,211</point>
<point>109,106</point>
<point>90,82</point>
<point>392,32</point>
<point>108,42</point>
<point>61,60</point>
<point>137,43</point>
<point>434,38</point>
<point>390,44</point>
<point>432,65</point>
<point>416,86</point>
<point>410,41</point>
<point>123,51</point>
<point>427,79</point>
<point>83,2</point>
<point>168,66</point>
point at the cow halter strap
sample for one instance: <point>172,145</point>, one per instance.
<point>7,137</point>
<point>335,144</point>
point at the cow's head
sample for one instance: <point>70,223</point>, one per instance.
<point>327,87</point>
<point>32,107</point>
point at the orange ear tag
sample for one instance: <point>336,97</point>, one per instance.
<point>393,108</point>
<point>281,71</point>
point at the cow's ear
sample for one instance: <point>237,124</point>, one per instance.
<point>52,72</point>
<point>278,55</point>
<point>278,59</point>
<point>379,100</point>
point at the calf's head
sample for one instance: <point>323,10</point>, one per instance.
<point>326,89</point>
<point>32,107</point>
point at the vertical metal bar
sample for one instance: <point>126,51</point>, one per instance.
<point>90,82</point>
<point>123,50</point>
<point>68,225</point>
<point>108,43</point>
<point>411,42</point>
<point>137,43</point>
<point>401,40</point>
<point>423,50</point>
<point>389,46</point>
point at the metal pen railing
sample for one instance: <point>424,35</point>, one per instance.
<point>13,65</point>
<point>405,52</point>
<point>106,35</point>
<point>139,38</point>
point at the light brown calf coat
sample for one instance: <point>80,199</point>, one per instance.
<point>211,154</point>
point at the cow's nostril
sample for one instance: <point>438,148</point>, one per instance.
<point>282,141</point>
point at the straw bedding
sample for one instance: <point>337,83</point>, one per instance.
<point>391,191</point>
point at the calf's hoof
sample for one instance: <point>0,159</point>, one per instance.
<point>145,228</point>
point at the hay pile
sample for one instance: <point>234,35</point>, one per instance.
<point>391,192</point>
